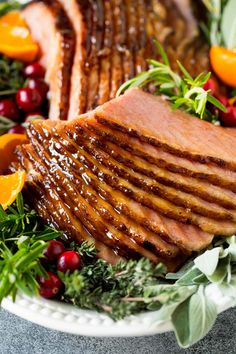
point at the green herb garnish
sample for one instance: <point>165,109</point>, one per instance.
<point>221,27</point>
<point>183,91</point>
<point>135,286</point>
<point>10,5</point>
<point>22,242</point>
<point>119,290</point>
<point>11,76</point>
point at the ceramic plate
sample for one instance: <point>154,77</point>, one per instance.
<point>67,318</point>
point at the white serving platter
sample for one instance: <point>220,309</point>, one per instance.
<point>68,318</point>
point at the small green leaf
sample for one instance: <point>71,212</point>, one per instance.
<point>208,261</point>
<point>202,316</point>
<point>162,52</point>
<point>184,71</point>
<point>194,318</point>
<point>216,103</point>
<point>221,271</point>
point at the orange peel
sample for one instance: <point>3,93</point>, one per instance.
<point>223,62</point>
<point>10,187</point>
<point>8,144</point>
<point>16,41</point>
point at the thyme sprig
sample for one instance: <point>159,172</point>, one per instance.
<point>184,91</point>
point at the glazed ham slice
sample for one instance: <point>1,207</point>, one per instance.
<point>80,13</point>
<point>152,120</point>
<point>52,29</point>
<point>103,173</point>
<point>125,202</point>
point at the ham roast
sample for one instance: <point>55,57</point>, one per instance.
<point>130,175</point>
<point>99,178</point>
<point>90,47</point>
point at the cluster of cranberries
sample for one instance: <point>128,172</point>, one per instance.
<point>228,118</point>
<point>65,261</point>
<point>29,100</point>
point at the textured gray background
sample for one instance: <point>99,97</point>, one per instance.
<point>18,336</point>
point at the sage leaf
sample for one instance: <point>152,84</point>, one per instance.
<point>194,318</point>
<point>208,261</point>
<point>202,315</point>
<point>180,321</point>
<point>188,278</point>
<point>221,272</point>
<point>228,24</point>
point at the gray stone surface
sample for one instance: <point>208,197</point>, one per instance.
<point>18,336</point>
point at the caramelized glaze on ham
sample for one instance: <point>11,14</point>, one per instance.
<point>104,171</point>
<point>89,48</point>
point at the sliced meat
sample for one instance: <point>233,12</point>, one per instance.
<point>147,184</point>
<point>196,238</point>
<point>141,57</point>
<point>105,55</point>
<point>204,190</point>
<point>84,211</point>
<point>80,14</point>
<point>159,157</point>
<point>118,40</point>
<point>174,131</point>
<point>123,224</point>
<point>62,219</point>
<point>93,60</point>
<point>128,58</point>
<point>52,29</point>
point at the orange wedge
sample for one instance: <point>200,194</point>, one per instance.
<point>15,39</point>
<point>8,144</point>
<point>10,186</point>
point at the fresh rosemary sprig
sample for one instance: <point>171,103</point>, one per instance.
<point>22,242</point>
<point>183,91</point>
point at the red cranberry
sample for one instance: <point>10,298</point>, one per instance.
<point>229,118</point>
<point>54,250</point>
<point>69,260</point>
<point>49,287</point>
<point>224,100</point>
<point>9,109</point>
<point>17,129</point>
<point>39,85</point>
<point>32,116</point>
<point>212,85</point>
<point>34,70</point>
<point>28,99</point>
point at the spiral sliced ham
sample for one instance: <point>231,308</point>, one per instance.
<point>89,48</point>
<point>102,173</point>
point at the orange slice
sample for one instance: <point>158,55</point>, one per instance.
<point>223,62</point>
<point>10,186</point>
<point>15,39</point>
<point>8,144</point>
